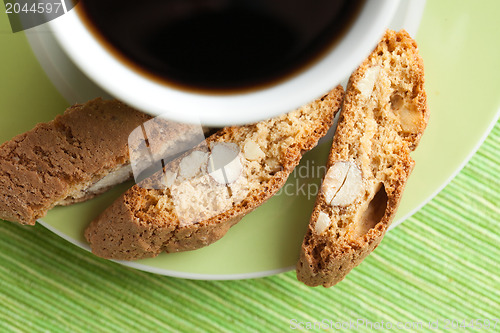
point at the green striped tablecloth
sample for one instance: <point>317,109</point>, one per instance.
<point>442,263</point>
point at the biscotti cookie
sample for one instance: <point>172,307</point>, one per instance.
<point>383,116</point>
<point>70,159</point>
<point>209,189</point>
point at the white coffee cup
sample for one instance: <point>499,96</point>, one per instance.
<point>148,95</point>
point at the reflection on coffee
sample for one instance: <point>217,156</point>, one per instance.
<point>220,45</point>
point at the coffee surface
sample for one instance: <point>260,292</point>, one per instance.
<point>219,45</point>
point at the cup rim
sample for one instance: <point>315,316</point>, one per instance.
<point>124,83</point>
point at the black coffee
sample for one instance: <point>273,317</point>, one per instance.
<point>220,45</point>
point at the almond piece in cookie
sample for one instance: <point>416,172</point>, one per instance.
<point>383,116</point>
<point>224,163</point>
<point>246,165</point>
<point>343,184</point>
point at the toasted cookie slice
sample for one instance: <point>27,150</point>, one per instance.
<point>70,159</point>
<point>210,188</point>
<point>74,157</point>
<point>383,116</point>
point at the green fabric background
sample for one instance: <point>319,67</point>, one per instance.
<point>442,263</point>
